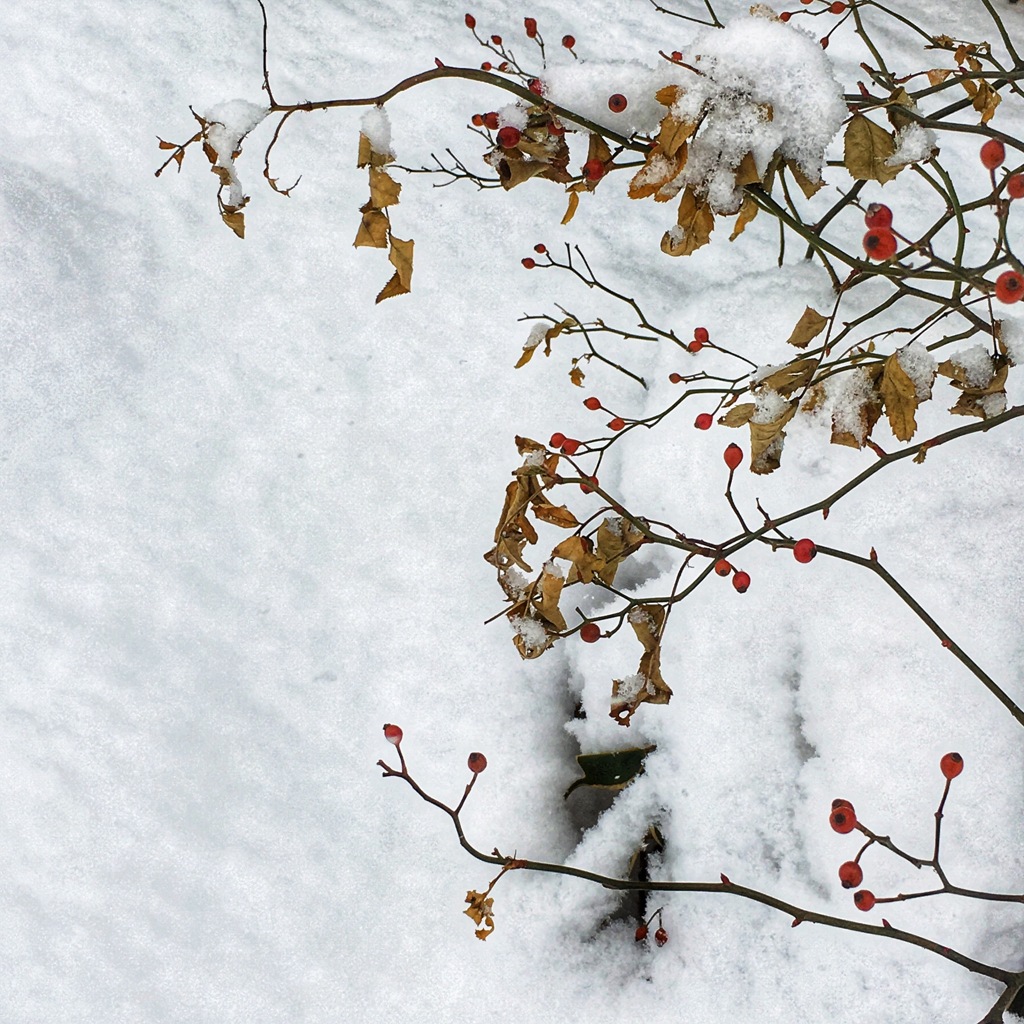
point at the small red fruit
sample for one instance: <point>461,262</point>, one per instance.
<point>393,734</point>
<point>722,567</point>
<point>617,103</point>
<point>880,244</point>
<point>1015,186</point>
<point>557,440</point>
<point>843,820</point>
<point>878,215</point>
<point>470,21</point>
<point>704,421</point>
<point>588,487</point>
<point>864,900</point>
<point>592,403</point>
<point>850,874</point>
<point>677,55</point>
<point>478,120</point>
<point>838,7</point>
<point>593,170</point>
<point>785,16</point>
<point>570,446</point>
<point>540,247</point>
<point>556,129</point>
<point>661,936</point>
<point>528,263</point>
<point>590,632</point>
<point>641,933</point>
<point>701,334</point>
<point>568,42</point>
<point>839,802</point>
<point>993,153</point>
<point>804,550</point>
<point>733,456</point>
<point>617,423</point>
<point>536,86</point>
<point>823,42</point>
<point>509,136</point>
<point>491,118</point>
<point>486,66</point>
<point>531,27</point>
<point>477,762</point>
<point>952,765</point>
<point>695,346</point>
<point>496,40</point>
<point>1009,286</point>
<point>741,582</point>
<point>675,378</point>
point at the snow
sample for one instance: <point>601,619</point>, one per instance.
<point>376,126</point>
<point>244,514</point>
<point>919,365</point>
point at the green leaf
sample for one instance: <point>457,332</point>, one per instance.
<point>613,770</point>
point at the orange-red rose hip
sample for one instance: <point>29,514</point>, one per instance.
<point>951,765</point>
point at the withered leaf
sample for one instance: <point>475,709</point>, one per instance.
<point>766,440</point>
<point>668,94</point>
<point>808,327</point>
<point>234,220</point>
<point>986,99</point>
<point>616,541</point>
<point>647,686</point>
<point>866,148</point>
<point>695,224</point>
<point>738,415</point>
<point>746,172</point>
<point>674,134</point>
<point>584,562</point>
<point>748,211</point>
<point>401,259</point>
<point>938,75</point>
<point>790,377</point>
<point>481,910</point>
<point>658,170</point>
<point>384,190</point>
<point>166,145</point>
<point>368,156</point>
<point>574,202</point>
<point>577,376</point>
<point>899,102</point>
<point>373,230</point>
<point>550,588</point>
<point>557,515</point>
<point>808,187</point>
<point>513,170</point>
<point>899,397</point>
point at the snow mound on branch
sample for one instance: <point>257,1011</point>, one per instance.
<point>376,126</point>
<point>758,86</point>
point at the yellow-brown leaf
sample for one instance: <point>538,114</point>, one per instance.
<point>866,147</point>
<point>384,190</point>
<point>695,224</point>
<point>899,396</point>
<point>373,230</point>
<point>808,327</point>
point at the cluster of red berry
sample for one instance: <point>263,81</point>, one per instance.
<point>393,734</point>
<point>843,820</point>
<point>879,242</point>
<point>660,935</point>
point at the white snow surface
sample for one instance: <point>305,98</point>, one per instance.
<point>244,514</point>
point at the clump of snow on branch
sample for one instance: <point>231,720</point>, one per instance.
<point>914,143</point>
<point>758,86</point>
<point>376,126</point>
<point>227,124</point>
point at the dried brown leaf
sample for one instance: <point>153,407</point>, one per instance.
<point>738,415</point>
<point>808,187</point>
<point>790,377</point>
<point>866,148</point>
<point>557,515</point>
<point>384,190</point>
<point>648,687</point>
<point>234,220</point>
<point>899,397</point>
<point>368,157</point>
<point>574,202</point>
<point>695,224</point>
<point>373,230</point>
<point>766,440</point>
<point>808,327</point>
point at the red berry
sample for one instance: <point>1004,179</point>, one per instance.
<point>850,874</point>
<point>557,440</point>
<point>617,103</point>
<point>592,403</point>
<point>804,550</point>
<point>491,119</point>
<point>568,42</point>
<point>741,582</point>
<point>722,567</point>
<point>880,244</point>
<point>677,55</point>
<point>695,345</point>
<point>536,86</point>
<point>540,247</point>
<point>470,21</point>
<point>1015,186</point>
<point>839,802</point>
<point>661,936</point>
<point>675,378</point>
<point>993,153</point>
<point>878,215</point>
<point>838,7</point>
<point>555,129</point>
<point>1009,286</point>
<point>393,734</point>
<point>952,765</point>
<point>641,933</point>
<point>593,170</point>
<point>593,483</point>
<point>733,456</point>
<point>590,632</point>
<point>701,334</point>
<point>617,423</point>
<point>843,820</point>
<point>864,900</point>
<point>531,27</point>
<point>823,42</point>
<point>703,421</point>
<point>785,16</point>
<point>570,446</point>
<point>486,66</point>
<point>496,40</point>
<point>509,136</point>
<point>478,120</point>
<point>528,263</point>
<point>477,762</point>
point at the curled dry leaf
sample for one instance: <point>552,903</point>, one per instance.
<point>401,259</point>
<point>866,151</point>
<point>481,911</point>
<point>766,441</point>
<point>808,327</point>
<point>899,398</point>
<point>647,686</point>
<point>694,226</point>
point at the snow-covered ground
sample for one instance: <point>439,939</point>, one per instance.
<point>243,517</point>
